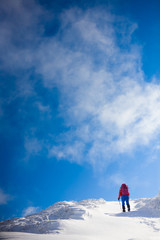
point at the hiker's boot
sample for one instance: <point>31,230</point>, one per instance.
<point>123,208</point>
<point>128,207</point>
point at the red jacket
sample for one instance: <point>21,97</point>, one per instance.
<point>120,192</point>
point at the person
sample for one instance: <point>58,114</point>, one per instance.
<point>124,195</point>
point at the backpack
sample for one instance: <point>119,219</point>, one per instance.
<point>124,189</point>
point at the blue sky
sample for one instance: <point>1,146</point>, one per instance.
<point>79,101</point>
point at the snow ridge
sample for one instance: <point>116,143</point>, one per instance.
<point>48,220</point>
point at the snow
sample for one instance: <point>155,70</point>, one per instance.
<point>88,219</point>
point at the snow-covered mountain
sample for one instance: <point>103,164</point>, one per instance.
<point>88,219</point>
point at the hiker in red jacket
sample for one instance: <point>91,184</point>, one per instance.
<point>124,194</point>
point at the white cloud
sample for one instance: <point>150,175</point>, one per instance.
<point>30,210</point>
<point>69,152</point>
<point>105,102</point>
<point>4,197</point>
<point>110,107</point>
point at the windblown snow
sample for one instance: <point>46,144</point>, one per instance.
<point>88,219</point>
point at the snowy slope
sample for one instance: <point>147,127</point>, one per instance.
<point>88,219</point>
<point>49,220</point>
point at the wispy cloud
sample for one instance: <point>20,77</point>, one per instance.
<point>107,106</point>
<point>30,210</point>
<point>107,103</point>
<point>43,108</point>
<point>4,197</point>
